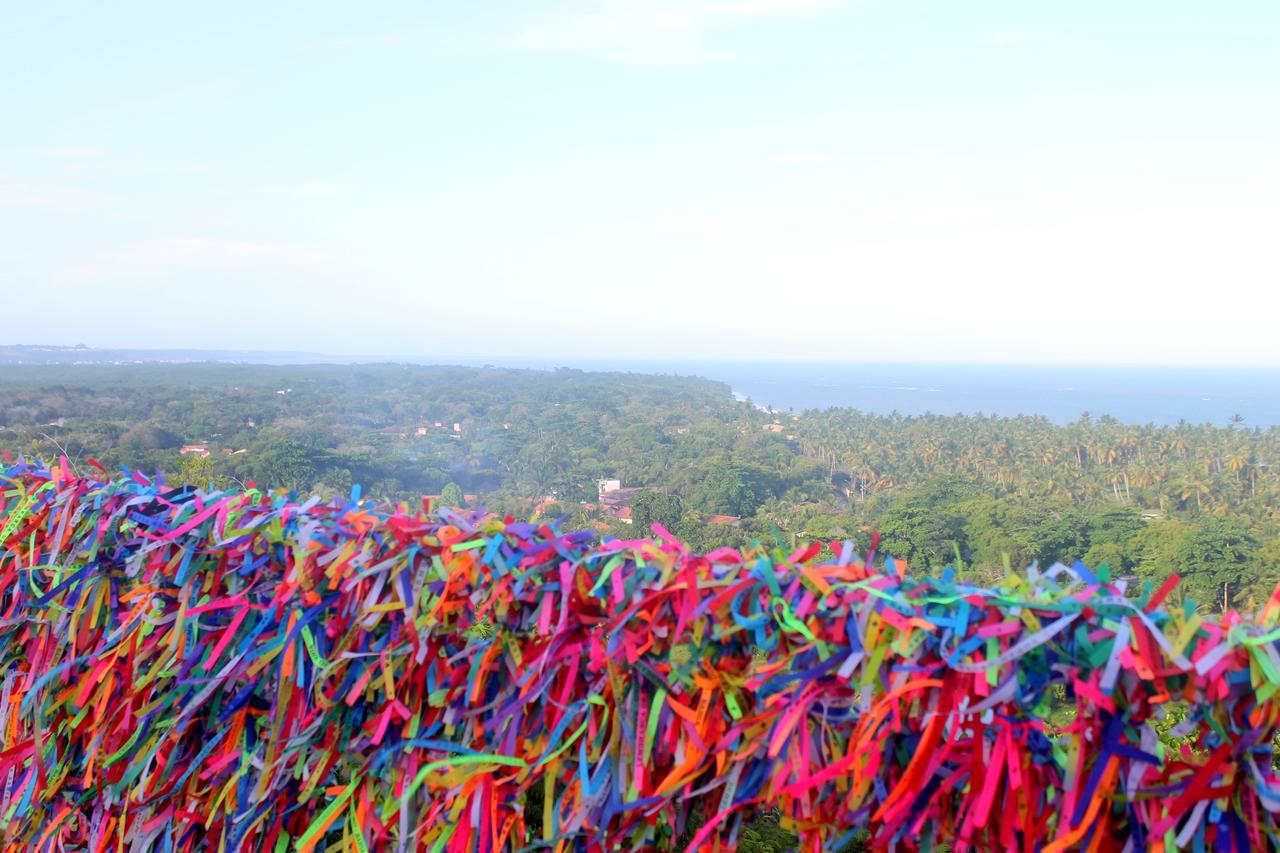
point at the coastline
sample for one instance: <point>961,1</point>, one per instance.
<point>1160,396</point>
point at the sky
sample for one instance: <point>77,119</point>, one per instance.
<point>855,180</point>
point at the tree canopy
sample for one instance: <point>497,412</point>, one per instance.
<point>969,491</point>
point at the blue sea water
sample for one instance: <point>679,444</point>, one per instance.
<point>1061,394</point>
<point>1139,395</point>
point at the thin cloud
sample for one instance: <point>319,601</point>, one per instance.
<point>71,152</point>
<point>151,257</point>
<point>1008,37</point>
<point>307,189</point>
<point>47,197</point>
<point>794,159</point>
<point>640,31</point>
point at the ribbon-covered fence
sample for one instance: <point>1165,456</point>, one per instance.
<point>187,670</point>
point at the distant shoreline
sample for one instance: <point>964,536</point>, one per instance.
<point>1059,393</point>
<point>1062,395</point>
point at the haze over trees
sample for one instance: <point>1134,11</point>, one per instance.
<point>974,492</point>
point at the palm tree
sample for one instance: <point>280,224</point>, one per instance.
<point>1238,462</point>
<point>1193,485</point>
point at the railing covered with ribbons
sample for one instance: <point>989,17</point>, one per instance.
<point>184,670</point>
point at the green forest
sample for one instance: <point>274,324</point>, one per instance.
<point>983,494</point>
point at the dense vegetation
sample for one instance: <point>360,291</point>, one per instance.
<point>972,491</point>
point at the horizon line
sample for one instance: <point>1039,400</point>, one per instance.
<point>564,360</point>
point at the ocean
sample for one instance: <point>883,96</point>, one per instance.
<point>1138,395</point>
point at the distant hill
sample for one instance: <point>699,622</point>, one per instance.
<point>81,354</point>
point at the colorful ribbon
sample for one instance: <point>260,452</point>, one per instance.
<point>183,670</point>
